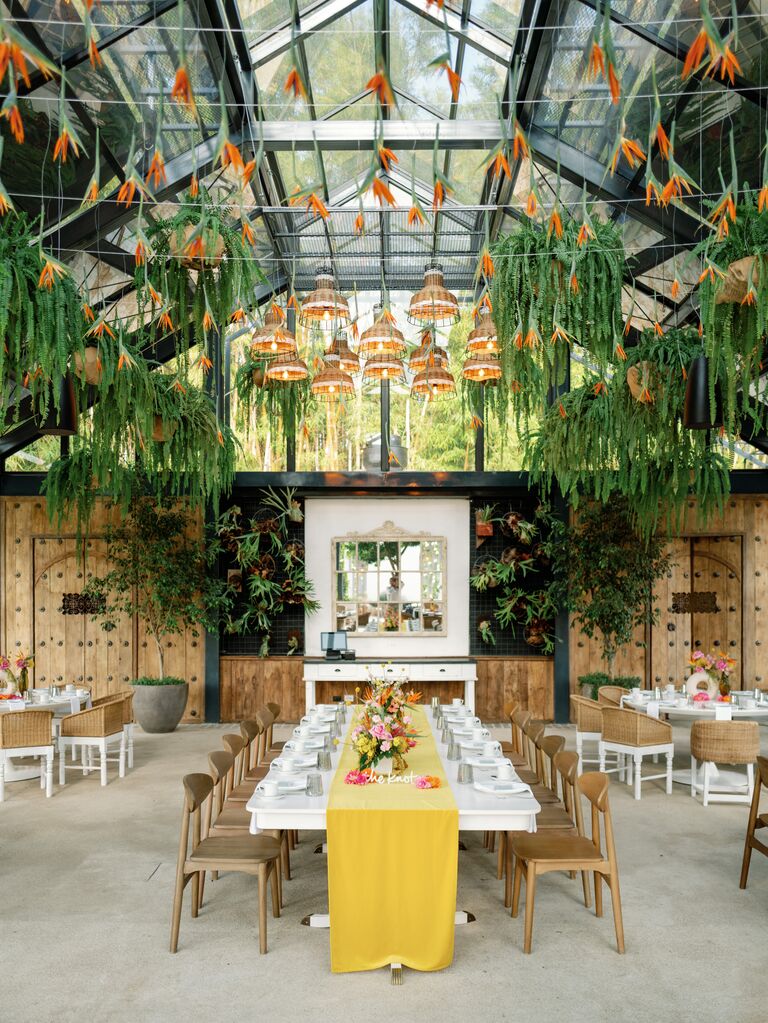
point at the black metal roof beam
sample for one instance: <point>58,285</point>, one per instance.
<point>671,46</point>
<point>80,54</point>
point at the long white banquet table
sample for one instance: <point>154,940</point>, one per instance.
<point>478,811</point>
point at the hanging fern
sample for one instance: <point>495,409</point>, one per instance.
<point>599,440</point>
<point>40,328</point>
<point>735,331</point>
<point>199,266</point>
<point>285,403</point>
<point>545,287</point>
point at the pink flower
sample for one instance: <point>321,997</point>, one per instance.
<point>380,732</point>
<point>385,747</point>
<point>701,697</point>
<point>722,666</point>
<point>421,782</point>
<point>697,655</point>
<point>5,664</point>
<point>356,778</point>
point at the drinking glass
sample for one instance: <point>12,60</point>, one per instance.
<point>324,760</point>
<point>439,719</point>
<point>445,738</point>
<point>454,750</point>
<point>466,774</point>
<point>327,743</point>
<point>314,784</point>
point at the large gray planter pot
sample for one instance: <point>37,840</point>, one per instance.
<point>159,708</point>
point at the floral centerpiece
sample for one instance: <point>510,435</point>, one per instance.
<point>22,663</point>
<point>384,729</point>
<point>716,667</point>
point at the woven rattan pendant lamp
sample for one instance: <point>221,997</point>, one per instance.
<point>325,307</point>
<point>482,368</point>
<point>428,353</point>
<point>483,339</point>
<point>434,383</point>
<point>273,338</point>
<point>433,304</point>
<point>382,337</point>
<point>332,384</point>
<point>384,367</point>
<point>287,369</point>
<point>340,355</point>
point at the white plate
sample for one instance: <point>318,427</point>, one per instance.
<point>269,799</point>
<point>503,788</point>
<point>481,761</point>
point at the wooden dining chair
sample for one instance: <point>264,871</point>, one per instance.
<point>563,818</point>
<point>272,744</point>
<point>230,816</point>
<point>520,718</point>
<point>544,852</point>
<point>252,732</point>
<point>266,719</point>
<point>27,733</point>
<point>249,854</point>
<point>756,821</point>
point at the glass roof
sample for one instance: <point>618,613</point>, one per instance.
<point>324,142</point>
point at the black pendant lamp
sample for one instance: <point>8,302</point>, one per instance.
<point>698,414</point>
<point>64,422</point>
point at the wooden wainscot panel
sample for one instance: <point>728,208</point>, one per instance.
<point>247,683</point>
<point>38,565</point>
<point>527,681</point>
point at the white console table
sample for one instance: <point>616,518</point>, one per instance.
<point>418,672</point>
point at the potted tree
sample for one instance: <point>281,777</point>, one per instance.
<point>159,572</point>
<point>609,573</point>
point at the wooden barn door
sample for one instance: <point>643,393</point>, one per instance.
<point>59,638</point>
<point>68,646</point>
<point>700,605</point>
<point>716,569</point>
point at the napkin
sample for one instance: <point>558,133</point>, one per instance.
<point>296,784</point>
<point>481,761</point>
<point>309,742</point>
<point>293,763</point>
<point>653,708</point>
<point>723,712</point>
<point>503,788</point>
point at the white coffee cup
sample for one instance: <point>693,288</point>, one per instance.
<point>304,730</point>
<point>44,697</point>
<point>489,748</point>
<point>477,733</point>
<point>270,788</point>
<point>636,690</point>
<point>70,688</point>
<point>457,701</point>
<point>505,770</point>
<point>299,745</point>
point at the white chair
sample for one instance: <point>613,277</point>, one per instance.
<point>634,736</point>
<point>27,734</point>
<point>588,715</point>
<point>128,720</point>
<point>723,742</point>
<point>93,729</point>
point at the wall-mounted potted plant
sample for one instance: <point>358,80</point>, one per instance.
<point>485,574</point>
<point>485,629</point>
<point>515,524</point>
<point>484,519</point>
<point>161,574</point>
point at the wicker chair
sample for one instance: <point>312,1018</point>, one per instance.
<point>723,742</point>
<point>126,696</point>
<point>27,733</point>
<point>250,854</point>
<point>545,851</point>
<point>93,729</point>
<point>756,820</point>
<point>588,716</point>
<point>635,736</point>
<point>610,696</point>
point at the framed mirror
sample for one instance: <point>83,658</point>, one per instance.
<point>390,582</point>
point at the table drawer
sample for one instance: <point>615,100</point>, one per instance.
<point>441,672</point>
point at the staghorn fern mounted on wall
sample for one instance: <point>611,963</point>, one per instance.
<point>550,288</point>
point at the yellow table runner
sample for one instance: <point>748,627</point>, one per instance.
<point>392,865</point>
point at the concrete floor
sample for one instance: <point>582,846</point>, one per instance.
<point>85,897</point>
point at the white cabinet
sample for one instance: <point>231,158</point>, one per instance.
<point>355,673</point>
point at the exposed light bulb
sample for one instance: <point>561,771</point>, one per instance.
<point>273,346</point>
<point>482,373</point>
<point>326,315</point>
<point>285,374</point>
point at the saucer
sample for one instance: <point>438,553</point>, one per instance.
<point>269,799</point>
